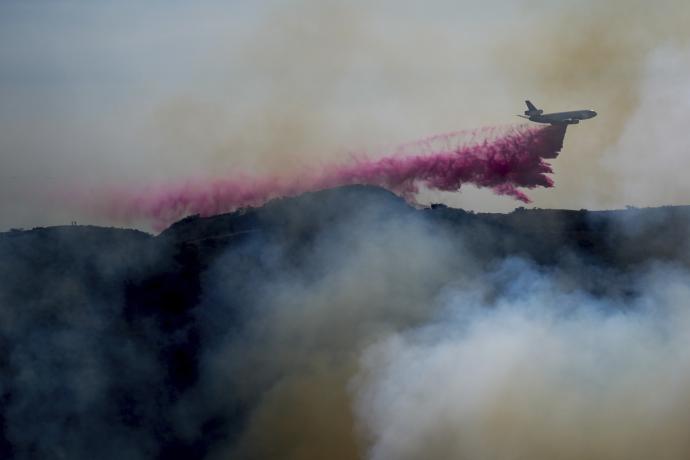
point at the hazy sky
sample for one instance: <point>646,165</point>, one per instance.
<point>113,93</point>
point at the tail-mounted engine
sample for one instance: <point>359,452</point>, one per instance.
<point>533,112</point>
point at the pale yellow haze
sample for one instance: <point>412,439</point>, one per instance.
<point>148,94</point>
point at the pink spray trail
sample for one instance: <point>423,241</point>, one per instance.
<point>503,159</point>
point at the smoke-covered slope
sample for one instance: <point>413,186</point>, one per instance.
<point>335,324</point>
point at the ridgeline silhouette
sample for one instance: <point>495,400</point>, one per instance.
<point>108,333</point>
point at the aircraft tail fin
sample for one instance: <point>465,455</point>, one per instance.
<point>531,109</point>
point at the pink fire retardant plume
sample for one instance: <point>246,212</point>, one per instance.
<point>501,159</point>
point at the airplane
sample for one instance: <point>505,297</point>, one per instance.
<point>558,118</point>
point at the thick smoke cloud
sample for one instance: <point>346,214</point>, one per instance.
<point>450,356</point>
<point>537,371</point>
<point>299,348</point>
<point>500,159</point>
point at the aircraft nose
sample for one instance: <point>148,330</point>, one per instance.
<point>592,113</point>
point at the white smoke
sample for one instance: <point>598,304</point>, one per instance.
<point>538,372</point>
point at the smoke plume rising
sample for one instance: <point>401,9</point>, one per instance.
<point>519,366</point>
<point>500,159</point>
<point>450,356</point>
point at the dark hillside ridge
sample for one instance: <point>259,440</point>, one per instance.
<point>120,312</point>
<point>619,236</point>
